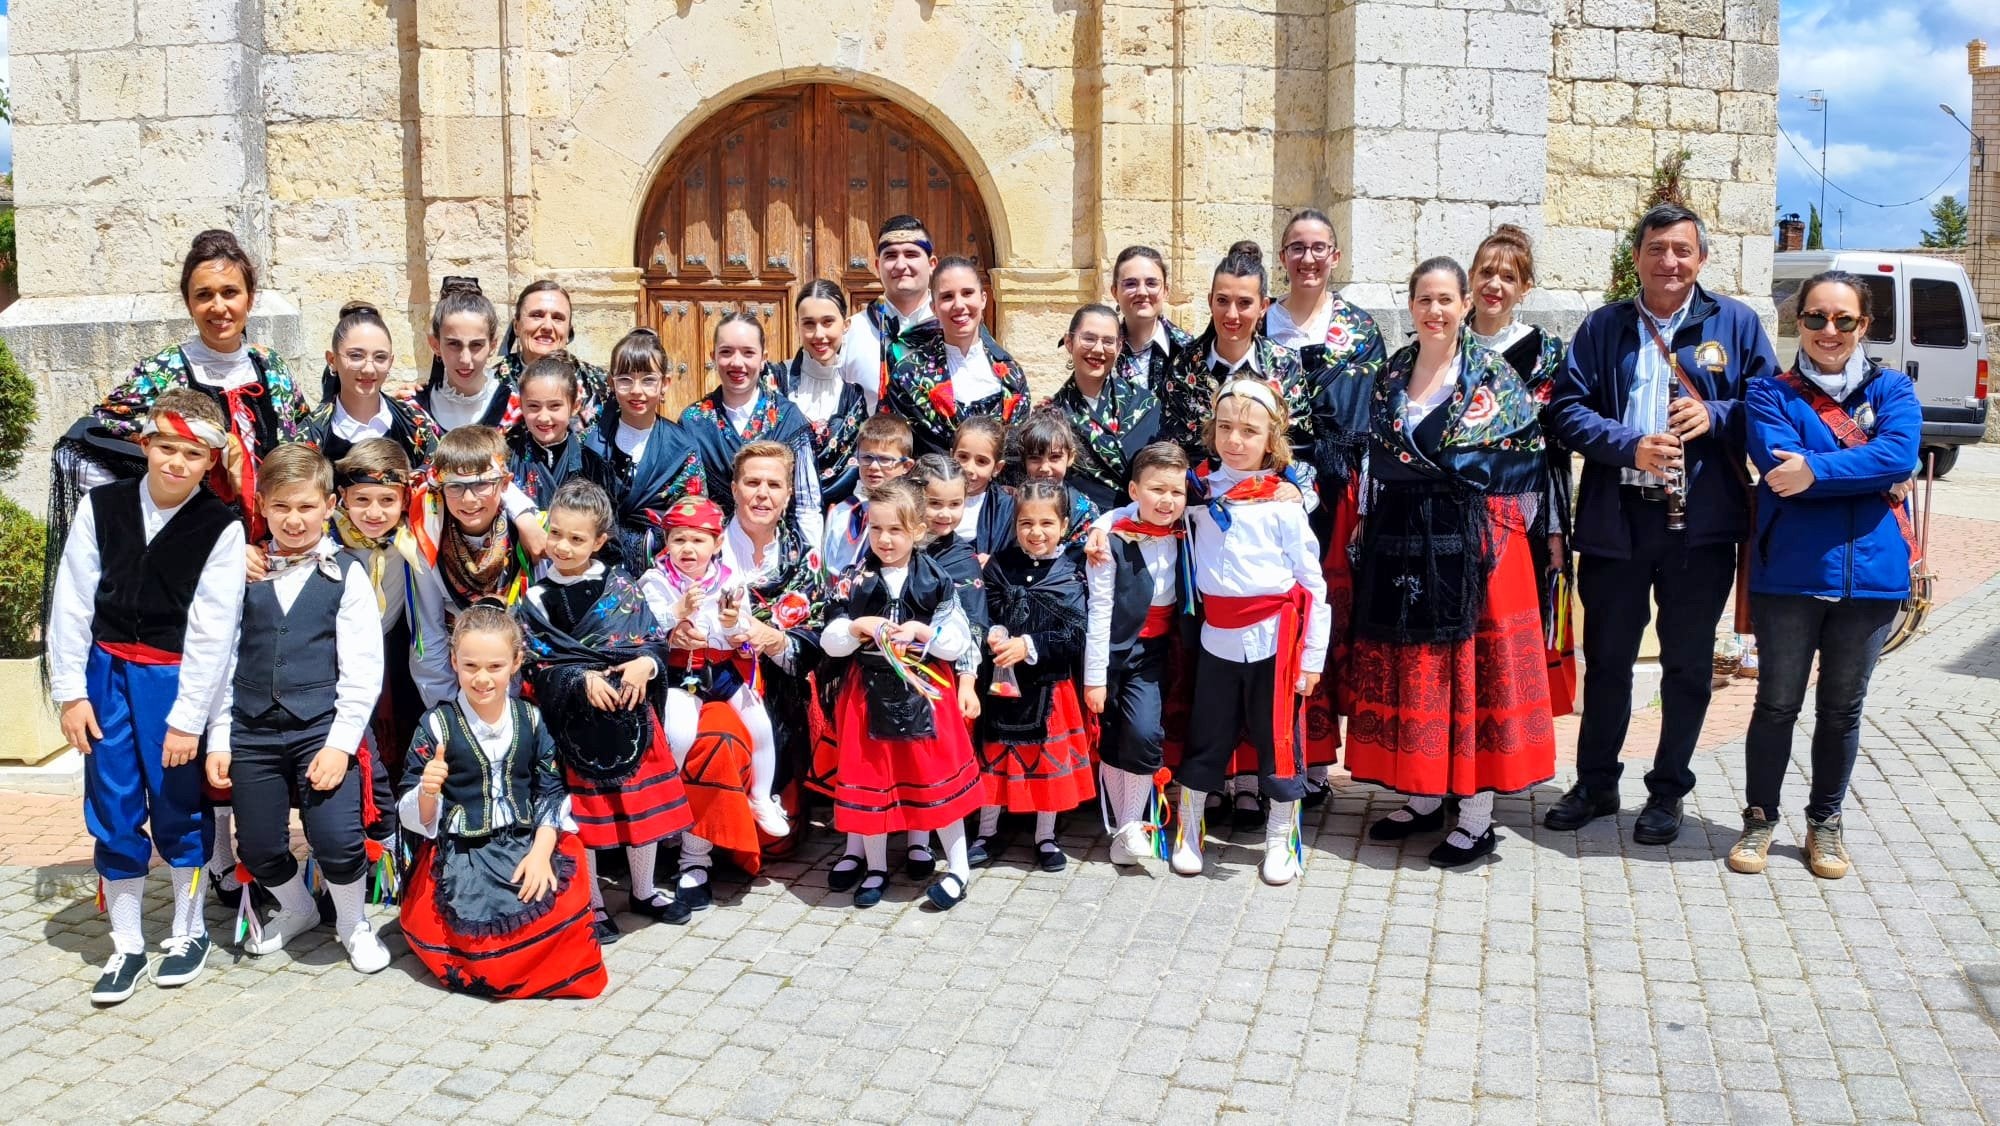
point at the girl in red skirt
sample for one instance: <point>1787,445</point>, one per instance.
<point>905,760</point>
<point>1451,691</point>
<point>1034,748</point>
<point>497,906</point>
<point>594,650</point>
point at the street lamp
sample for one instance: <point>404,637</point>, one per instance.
<point>1978,142</point>
<point>1817,101</point>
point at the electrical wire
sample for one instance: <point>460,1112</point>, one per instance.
<point>1924,198</point>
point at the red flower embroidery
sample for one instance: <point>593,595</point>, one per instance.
<point>943,400</point>
<point>1484,406</point>
<point>790,610</point>
<point>1338,338</point>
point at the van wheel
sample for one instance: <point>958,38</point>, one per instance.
<point>1944,457</point>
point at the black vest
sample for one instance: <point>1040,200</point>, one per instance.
<point>1131,594</point>
<point>146,589</point>
<point>289,662</point>
<point>466,775</point>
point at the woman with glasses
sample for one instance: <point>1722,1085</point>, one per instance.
<point>1113,417</point>
<point>650,458</point>
<point>352,405</point>
<point>745,408</point>
<point>1149,345</point>
<point>1835,442</point>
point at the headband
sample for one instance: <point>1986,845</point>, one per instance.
<point>1256,390</point>
<point>177,425</point>
<point>393,478</point>
<point>894,238</point>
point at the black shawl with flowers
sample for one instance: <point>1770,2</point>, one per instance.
<point>920,388</point>
<point>602,746</point>
<point>1109,434</point>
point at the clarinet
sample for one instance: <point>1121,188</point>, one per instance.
<point>1674,478</point>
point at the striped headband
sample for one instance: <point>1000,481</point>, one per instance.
<point>177,425</point>
<point>391,477</point>
<point>1256,390</point>
<point>893,238</point>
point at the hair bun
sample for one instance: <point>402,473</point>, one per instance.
<point>1247,249</point>
<point>458,284</point>
<point>353,307</point>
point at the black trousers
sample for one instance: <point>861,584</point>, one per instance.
<point>1233,702</point>
<point>267,776</point>
<point>1691,586</point>
<point>1132,732</point>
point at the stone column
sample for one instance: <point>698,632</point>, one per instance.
<point>1982,257</point>
<point>139,123</point>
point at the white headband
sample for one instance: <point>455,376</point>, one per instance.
<point>176,425</point>
<point>1255,390</point>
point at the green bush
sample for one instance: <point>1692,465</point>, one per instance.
<point>17,412</point>
<point>21,539</point>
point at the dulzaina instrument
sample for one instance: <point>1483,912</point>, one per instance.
<point>1923,580</point>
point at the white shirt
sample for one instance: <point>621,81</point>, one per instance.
<point>1509,335</point>
<point>1249,361</point>
<point>1160,341</point>
<point>664,586</point>
<point>354,430</point>
<point>1282,329</point>
<point>971,373</point>
<point>632,440</point>
<point>749,566</point>
<point>968,519</point>
<point>1268,549</point>
<point>452,410</point>
<point>357,651</point>
<point>841,550</point>
<point>1652,382</point>
<point>208,643</point>
<point>223,370</point>
<point>951,632</point>
<point>861,350</point>
<point>1161,555</point>
<point>806,507</point>
<point>816,392</point>
<point>496,739</point>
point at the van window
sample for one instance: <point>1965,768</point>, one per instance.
<point>1881,308</point>
<point>1937,314</point>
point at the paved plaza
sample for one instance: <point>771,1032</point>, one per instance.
<point>1573,978</point>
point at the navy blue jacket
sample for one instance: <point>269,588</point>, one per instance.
<point>1839,538</point>
<point>1588,411</point>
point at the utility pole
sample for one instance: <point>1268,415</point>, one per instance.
<point>1817,101</point>
<point>1840,226</point>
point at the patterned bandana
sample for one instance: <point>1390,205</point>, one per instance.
<point>177,425</point>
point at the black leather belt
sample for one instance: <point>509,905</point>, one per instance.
<point>1653,493</point>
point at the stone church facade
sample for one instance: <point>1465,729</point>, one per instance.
<point>670,159</point>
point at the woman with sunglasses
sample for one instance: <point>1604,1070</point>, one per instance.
<point>1835,442</point>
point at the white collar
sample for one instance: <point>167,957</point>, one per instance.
<point>1509,335</point>
<point>224,370</point>
<point>348,426</point>
<point>485,732</point>
<point>148,507</point>
<point>739,417</point>
<point>953,358</point>
<point>1314,326</point>
<point>595,569</point>
<point>479,398</point>
<point>1249,360</point>
<point>812,371</point>
<point>737,546</point>
<point>1222,478</point>
<point>1672,318</point>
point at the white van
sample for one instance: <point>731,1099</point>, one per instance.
<point>1926,324</point>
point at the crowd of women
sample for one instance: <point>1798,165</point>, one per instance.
<point>879,572</point>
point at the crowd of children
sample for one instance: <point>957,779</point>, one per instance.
<point>477,657</point>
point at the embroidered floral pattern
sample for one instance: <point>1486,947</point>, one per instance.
<point>920,388</point>
<point>123,410</point>
<point>1103,430</point>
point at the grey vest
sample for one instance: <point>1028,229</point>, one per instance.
<point>288,664</point>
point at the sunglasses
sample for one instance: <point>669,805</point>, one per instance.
<point>1817,321</point>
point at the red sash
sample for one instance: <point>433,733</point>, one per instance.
<point>1159,619</point>
<point>139,653</point>
<point>1849,434</point>
<point>1293,608</point>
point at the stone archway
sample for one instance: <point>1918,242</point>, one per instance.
<point>781,187</point>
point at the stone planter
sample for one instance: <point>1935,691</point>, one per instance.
<point>28,729</point>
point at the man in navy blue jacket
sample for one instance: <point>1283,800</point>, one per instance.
<point>1654,387</point>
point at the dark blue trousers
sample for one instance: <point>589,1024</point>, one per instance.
<point>126,787</point>
<point>1133,736</point>
<point>1847,637</point>
<point>267,777</point>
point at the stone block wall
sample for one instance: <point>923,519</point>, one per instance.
<point>1982,259</point>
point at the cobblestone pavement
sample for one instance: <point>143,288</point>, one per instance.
<point>1573,978</point>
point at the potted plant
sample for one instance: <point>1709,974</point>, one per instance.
<point>28,729</point>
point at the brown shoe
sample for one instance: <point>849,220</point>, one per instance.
<point>1751,850</point>
<point>1825,851</point>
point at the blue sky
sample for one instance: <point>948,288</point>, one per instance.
<point>1884,66</point>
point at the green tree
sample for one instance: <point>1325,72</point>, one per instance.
<point>1666,189</point>
<point>1815,237</point>
<point>17,411</point>
<point>1951,219</point>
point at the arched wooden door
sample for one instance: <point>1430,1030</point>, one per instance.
<point>781,188</point>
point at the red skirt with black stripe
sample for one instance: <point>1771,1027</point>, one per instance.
<point>1048,776</point>
<point>554,955</point>
<point>717,774</point>
<point>650,806</point>
<point>901,785</point>
<point>1461,717</point>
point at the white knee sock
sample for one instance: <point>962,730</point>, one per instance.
<point>222,852</point>
<point>695,859</point>
<point>294,896</point>
<point>641,859</point>
<point>1194,806</point>
<point>1316,775</point>
<point>989,820</point>
<point>953,838</point>
<point>853,845</point>
<point>1475,815</point>
<point>922,840</point>
<point>682,721</point>
<point>124,901</point>
<point>590,872</point>
<point>1045,826</point>
<point>1136,788</point>
<point>763,747</point>
<point>1414,807</point>
<point>875,851</point>
<point>350,906</point>
<point>187,904</point>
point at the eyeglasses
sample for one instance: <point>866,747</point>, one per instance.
<point>1817,321</point>
<point>1141,285</point>
<point>879,461</point>
<point>1091,342</point>
<point>627,383</point>
<point>1313,250</point>
<point>480,488</point>
<point>367,361</point>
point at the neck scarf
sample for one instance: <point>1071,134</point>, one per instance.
<point>473,573</point>
<point>377,548</point>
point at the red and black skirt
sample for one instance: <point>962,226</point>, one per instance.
<point>1458,717</point>
<point>650,806</point>
<point>1048,774</point>
<point>464,923</point>
<point>902,784</point>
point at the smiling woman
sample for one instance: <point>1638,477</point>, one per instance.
<point>745,408</point>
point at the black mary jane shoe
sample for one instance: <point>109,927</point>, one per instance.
<point>979,853</point>
<point>946,892</point>
<point>663,908</point>
<point>606,931</point>
<point>920,863</point>
<point>1449,855</point>
<point>699,897</point>
<point>845,873</point>
<point>1391,829</point>
<point>1049,854</point>
<point>1245,816</point>
<point>866,896</point>
<point>1315,795</point>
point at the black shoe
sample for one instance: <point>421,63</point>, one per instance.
<point>664,908</point>
<point>1391,829</point>
<point>920,864</point>
<point>1659,823</point>
<point>231,898</point>
<point>1579,807</point>
<point>607,932</point>
<point>1315,795</point>
<point>947,893</point>
<point>699,897</point>
<point>1050,855</point>
<point>979,853</point>
<point>182,962</point>
<point>1449,855</point>
<point>845,873</point>
<point>1249,814</point>
<point>868,895</point>
<point>121,976</point>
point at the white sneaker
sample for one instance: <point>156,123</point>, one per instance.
<point>1187,859</point>
<point>1130,845</point>
<point>282,928</point>
<point>1281,864</point>
<point>365,952</point>
<point>770,816</point>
